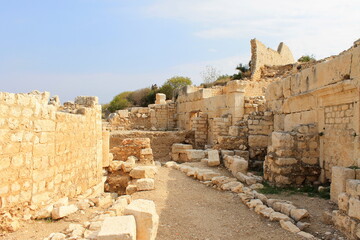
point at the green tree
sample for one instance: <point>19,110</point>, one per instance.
<point>138,97</point>
<point>174,83</point>
<point>119,102</point>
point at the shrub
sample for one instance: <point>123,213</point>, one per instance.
<point>119,102</point>
<point>307,58</point>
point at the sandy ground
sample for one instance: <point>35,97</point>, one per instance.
<point>190,210</point>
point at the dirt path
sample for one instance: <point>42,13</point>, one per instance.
<point>190,210</point>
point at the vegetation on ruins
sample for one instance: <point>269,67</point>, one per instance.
<point>210,74</point>
<point>145,96</point>
<point>244,71</point>
<point>221,80</point>
<point>120,101</point>
<point>307,58</point>
<point>309,190</point>
<point>174,83</point>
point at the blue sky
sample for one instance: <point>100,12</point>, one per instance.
<point>104,47</point>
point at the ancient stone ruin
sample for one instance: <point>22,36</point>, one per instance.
<point>295,123</point>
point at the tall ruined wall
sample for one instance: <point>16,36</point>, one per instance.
<point>224,106</point>
<point>262,55</point>
<point>325,94</point>
<point>46,154</point>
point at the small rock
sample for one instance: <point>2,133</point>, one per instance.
<point>302,225</point>
<point>63,211</point>
<point>289,226</point>
<point>298,214</point>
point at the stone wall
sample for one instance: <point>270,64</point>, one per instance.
<point>160,141</point>
<point>153,117</point>
<point>47,154</point>
<point>327,95</point>
<point>261,56</point>
<point>200,127</point>
<point>137,147</point>
<point>293,157</point>
<point>224,106</point>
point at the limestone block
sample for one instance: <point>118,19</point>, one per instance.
<point>119,206</point>
<point>281,140</point>
<point>306,235</point>
<point>230,185</point>
<point>238,165</point>
<point>266,212</point>
<point>171,164</point>
<point>302,225</point>
<point>180,148</point>
<point>118,228</point>
<point>338,181</point>
<point>285,161</point>
<point>354,208</point>
<point>289,226</point>
<point>123,113</point>
<point>115,166</point>
<point>258,141</point>
<point>234,131</point>
<point>146,151</point>
<point>160,98</point>
<point>206,175</point>
<point>298,214</point>
<point>130,189</point>
<point>144,172</point>
<point>127,166</point>
<point>145,184</point>
<point>147,220</point>
<point>276,216</point>
<point>194,155</point>
<point>245,178</point>
<point>286,208</point>
<point>102,201</point>
<point>259,208</point>
<point>343,202</point>
<point>226,153</point>
<point>254,202</point>
<point>63,211</point>
<point>44,212</point>
<point>213,158</point>
<point>353,187</point>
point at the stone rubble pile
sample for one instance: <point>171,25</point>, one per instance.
<point>122,219</point>
<point>290,217</point>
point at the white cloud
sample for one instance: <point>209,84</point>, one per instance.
<point>322,27</point>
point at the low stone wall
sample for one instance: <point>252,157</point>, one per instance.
<point>153,117</point>
<point>293,157</point>
<point>47,154</point>
<point>137,147</point>
<point>160,141</point>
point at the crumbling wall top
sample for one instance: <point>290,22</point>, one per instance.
<point>262,55</point>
